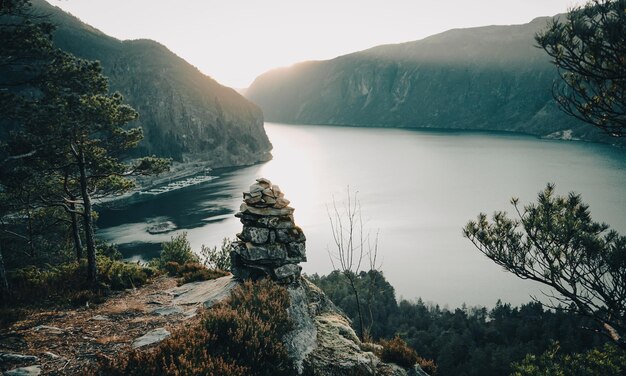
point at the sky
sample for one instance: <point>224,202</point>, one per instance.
<point>234,41</point>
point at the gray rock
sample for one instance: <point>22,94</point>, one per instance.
<point>276,222</point>
<point>49,329</point>
<point>266,211</point>
<point>250,252</point>
<point>207,293</point>
<point>10,357</point>
<point>254,200</point>
<point>24,371</point>
<point>269,200</point>
<point>297,250</point>
<point>99,318</point>
<point>281,203</point>
<point>256,235</point>
<point>290,235</point>
<point>266,183</point>
<point>302,340</point>
<point>287,271</point>
<point>153,336</point>
<point>256,188</point>
<point>167,310</point>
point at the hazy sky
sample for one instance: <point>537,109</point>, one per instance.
<point>234,41</point>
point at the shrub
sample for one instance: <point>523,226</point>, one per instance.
<point>177,250</point>
<point>606,361</point>
<point>215,258</point>
<point>240,336</point>
<point>68,282</point>
<point>192,272</point>
<point>397,351</point>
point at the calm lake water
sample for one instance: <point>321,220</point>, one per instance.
<point>417,188</point>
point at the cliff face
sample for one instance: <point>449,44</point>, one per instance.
<point>184,114</point>
<point>488,78</point>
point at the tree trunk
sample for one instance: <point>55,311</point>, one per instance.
<point>358,306</point>
<point>78,245</point>
<point>4,284</point>
<point>88,225</point>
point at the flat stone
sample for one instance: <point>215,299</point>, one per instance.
<point>254,200</point>
<point>265,183</point>
<point>256,235</point>
<point>204,292</point>
<point>281,203</point>
<point>250,252</point>
<point>269,200</point>
<point>11,357</point>
<point>276,222</point>
<point>256,188</point>
<point>296,249</point>
<point>287,271</point>
<point>289,235</point>
<point>99,318</point>
<point>153,336</point>
<point>49,329</point>
<point>167,310</point>
<point>266,211</point>
<point>24,371</point>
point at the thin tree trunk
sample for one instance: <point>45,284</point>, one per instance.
<point>358,306</point>
<point>87,221</point>
<point>4,284</point>
<point>78,244</point>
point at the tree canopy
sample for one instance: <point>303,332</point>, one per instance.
<point>556,242</point>
<point>67,136</point>
<point>588,47</point>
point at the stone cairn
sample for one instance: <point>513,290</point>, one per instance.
<point>270,243</point>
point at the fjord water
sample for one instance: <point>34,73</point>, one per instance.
<point>417,190</point>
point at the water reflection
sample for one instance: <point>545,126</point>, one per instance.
<point>419,188</point>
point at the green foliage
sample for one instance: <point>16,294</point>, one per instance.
<point>215,258</point>
<point>589,49</point>
<point>241,336</point>
<point>605,361</point>
<point>177,250</point>
<point>397,351</point>
<point>556,242</point>
<point>68,283</point>
<point>466,341</point>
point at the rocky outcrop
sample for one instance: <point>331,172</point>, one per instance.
<point>487,78</point>
<point>322,341</point>
<point>270,244</point>
<point>184,114</point>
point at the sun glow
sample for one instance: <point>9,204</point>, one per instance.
<point>235,41</point>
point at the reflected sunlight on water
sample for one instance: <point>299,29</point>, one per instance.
<point>418,187</point>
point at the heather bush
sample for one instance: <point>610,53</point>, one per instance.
<point>240,336</point>
<point>397,351</point>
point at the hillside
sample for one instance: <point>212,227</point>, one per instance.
<point>485,78</point>
<point>184,114</point>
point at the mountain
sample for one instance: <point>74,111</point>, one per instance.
<point>184,114</point>
<point>485,78</point>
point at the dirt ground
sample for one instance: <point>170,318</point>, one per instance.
<point>67,341</point>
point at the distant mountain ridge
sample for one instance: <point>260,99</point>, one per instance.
<point>184,114</point>
<point>484,78</point>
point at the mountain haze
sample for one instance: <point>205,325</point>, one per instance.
<point>485,78</point>
<point>184,114</point>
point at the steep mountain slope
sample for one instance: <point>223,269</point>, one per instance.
<point>185,114</point>
<point>486,78</point>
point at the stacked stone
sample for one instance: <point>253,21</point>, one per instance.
<point>270,243</point>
